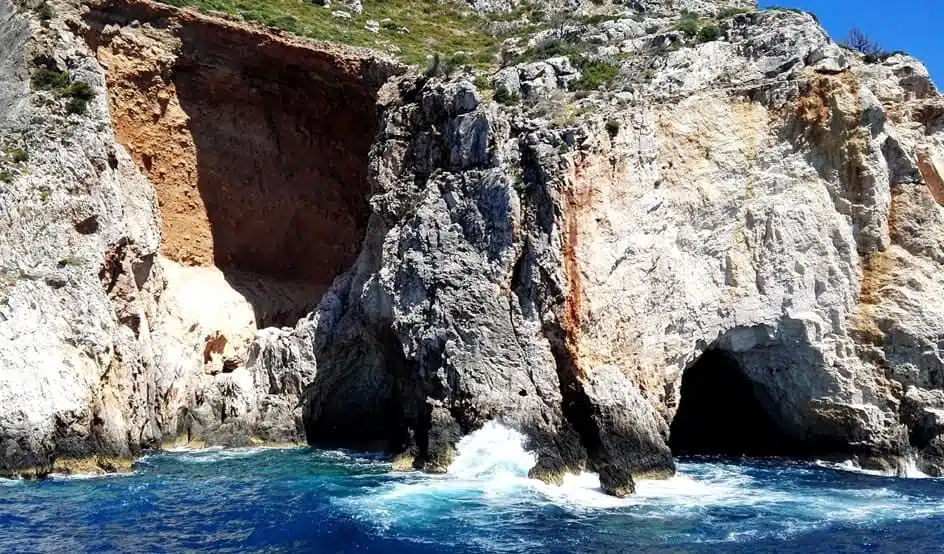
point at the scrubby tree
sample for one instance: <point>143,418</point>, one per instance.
<point>857,40</point>
<point>560,18</point>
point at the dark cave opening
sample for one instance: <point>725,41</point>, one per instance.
<point>719,412</point>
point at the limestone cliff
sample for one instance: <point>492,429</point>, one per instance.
<point>135,266</point>
<point>740,204</point>
<point>655,230</point>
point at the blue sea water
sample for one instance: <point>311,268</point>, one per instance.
<point>303,500</point>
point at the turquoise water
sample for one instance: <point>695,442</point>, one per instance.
<point>302,500</point>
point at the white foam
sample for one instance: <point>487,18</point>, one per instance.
<point>491,451</point>
<point>853,467</point>
<point>907,468</point>
<point>218,454</point>
<point>489,477</point>
<point>87,476</point>
<point>491,466</point>
<point>186,449</point>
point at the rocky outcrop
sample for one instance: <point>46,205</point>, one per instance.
<point>78,225</point>
<point>748,197</point>
<point>137,262</point>
<point>457,311</point>
<point>753,207</point>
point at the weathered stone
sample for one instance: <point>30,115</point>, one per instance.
<point>631,434</point>
<point>766,196</point>
<point>354,6</point>
<point>506,83</point>
<point>108,347</point>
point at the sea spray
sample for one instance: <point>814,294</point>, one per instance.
<point>343,501</point>
<point>909,467</point>
<point>492,464</point>
<point>493,450</point>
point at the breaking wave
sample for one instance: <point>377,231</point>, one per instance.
<point>488,482</point>
<point>306,500</point>
<point>907,468</point>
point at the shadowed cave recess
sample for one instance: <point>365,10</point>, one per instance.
<point>257,147</point>
<point>720,413</point>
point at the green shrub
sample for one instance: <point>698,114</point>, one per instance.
<point>482,83</point>
<point>784,9</point>
<point>451,64</point>
<point>434,25</point>
<point>554,48</point>
<point>6,176</point>
<point>688,25</point>
<point>598,18</point>
<point>18,155</point>
<point>731,12</point>
<point>612,127</point>
<point>548,49</point>
<point>79,94</point>
<point>45,12</point>
<point>434,69</point>
<point>49,79</point>
<point>503,96</point>
<point>709,33</point>
<point>794,10</point>
<point>76,106</point>
<point>594,74</point>
<point>485,58</point>
<point>70,261</point>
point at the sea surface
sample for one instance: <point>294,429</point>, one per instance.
<point>303,500</point>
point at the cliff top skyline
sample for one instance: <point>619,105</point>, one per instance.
<point>911,26</point>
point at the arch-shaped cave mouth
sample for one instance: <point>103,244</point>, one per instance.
<point>720,413</point>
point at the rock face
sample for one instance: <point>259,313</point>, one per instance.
<point>136,260</point>
<point>753,206</point>
<point>760,196</point>
<point>78,227</point>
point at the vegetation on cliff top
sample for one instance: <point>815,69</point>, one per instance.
<point>413,28</point>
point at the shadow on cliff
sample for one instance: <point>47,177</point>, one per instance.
<point>282,135</point>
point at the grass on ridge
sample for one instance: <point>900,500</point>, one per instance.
<point>433,27</point>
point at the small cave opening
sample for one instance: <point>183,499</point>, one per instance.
<point>257,146</point>
<point>720,412</point>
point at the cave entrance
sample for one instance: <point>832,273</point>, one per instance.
<point>720,413</point>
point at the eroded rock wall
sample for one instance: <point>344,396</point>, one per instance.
<point>212,185</point>
<point>78,225</point>
<point>766,195</point>
<point>256,144</point>
<point>556,265</point>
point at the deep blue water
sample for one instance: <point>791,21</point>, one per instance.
<point>301,500</point>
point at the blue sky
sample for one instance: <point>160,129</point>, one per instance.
<point>915,26</point>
